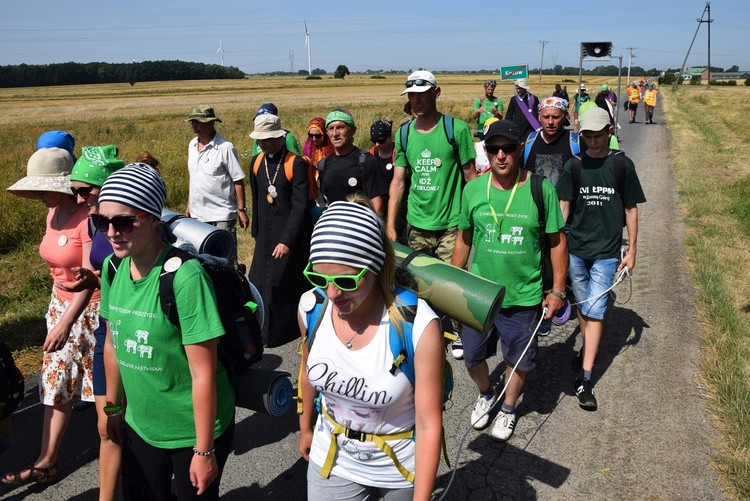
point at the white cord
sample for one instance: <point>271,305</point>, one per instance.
<point>499,399</point>
<point>621,275</point>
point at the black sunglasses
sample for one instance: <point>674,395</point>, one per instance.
<point>419,82</point>
<point>380,140</point>
<point>83,192</point>
<point>314,136</point>
<point>121,224</point>
<point>494,149</point>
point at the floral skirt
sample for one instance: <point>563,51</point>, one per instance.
<point>67,373</point>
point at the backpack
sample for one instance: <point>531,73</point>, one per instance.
<point>538,196</point>
<point>448,123</point>
<point>241,346</point>
<point>11,383</point>
<point>618,165</point>
<point>360,176</point>
<point>402,349</point>
<point>575,147</point>
<point>289,159</point>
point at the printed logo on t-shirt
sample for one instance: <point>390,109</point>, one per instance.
<point>597,195</point>
<point>423,168</point>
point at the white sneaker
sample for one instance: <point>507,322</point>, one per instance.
<point>502,428</point>
<point>457,348</point>
<point>480,414</point>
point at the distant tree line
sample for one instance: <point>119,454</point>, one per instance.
<point>24,75</point>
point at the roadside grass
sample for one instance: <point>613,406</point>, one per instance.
<point>711,142</point>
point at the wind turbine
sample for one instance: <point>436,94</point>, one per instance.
<point>307,44</point>
<point>221,51</point>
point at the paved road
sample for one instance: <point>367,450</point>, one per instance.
<point>651,437</point>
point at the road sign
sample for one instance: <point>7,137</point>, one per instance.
<point>514,72</point>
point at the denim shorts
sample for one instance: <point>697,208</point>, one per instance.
<point>590,278</point>
<point>513,327</point>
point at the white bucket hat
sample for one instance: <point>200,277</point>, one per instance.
<point>48,169</point>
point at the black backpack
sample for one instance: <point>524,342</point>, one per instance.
<point>11,383</point>
<point>242,345</point>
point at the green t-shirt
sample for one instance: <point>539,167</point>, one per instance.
<point>151,355</point>
<point>512,255</point>
<point>435,193</point>
<point>596,227</point>
<point>290,143</point>
<point>488,106</point>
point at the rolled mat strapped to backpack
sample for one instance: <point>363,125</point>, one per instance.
<point>207,239</point>
<point>269,392</point>
<point>467,298</point>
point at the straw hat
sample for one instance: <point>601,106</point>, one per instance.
<point>48,169</point>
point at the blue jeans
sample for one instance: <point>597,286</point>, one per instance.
<point>589,279</point>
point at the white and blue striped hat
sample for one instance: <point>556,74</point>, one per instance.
<point>350,234</point>
<point>136,185</point>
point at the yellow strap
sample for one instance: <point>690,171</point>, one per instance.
<point>378,440</point>
<point>298,398</point>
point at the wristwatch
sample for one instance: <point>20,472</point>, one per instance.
<point>561,295</point>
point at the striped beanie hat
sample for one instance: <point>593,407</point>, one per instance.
<point>138,186</point>
<point>350,234</point>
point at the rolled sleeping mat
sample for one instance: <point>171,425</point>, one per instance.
<point>563,314</point>
<point>207,239</point>
<point>269,392</point>
<point>467,298</point>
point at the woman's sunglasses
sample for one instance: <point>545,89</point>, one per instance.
<point>83,192</point>
<point>346,283</point>
<point>121,224</point>
<point>314,136</point>
<point>494,149</point>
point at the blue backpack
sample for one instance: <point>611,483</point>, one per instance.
<point>575,147</point>
<point>402,349</point>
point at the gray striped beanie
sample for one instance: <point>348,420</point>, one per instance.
<point>350,234</point>
<point>138,186</point>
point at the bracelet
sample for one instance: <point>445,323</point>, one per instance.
<point>113,409</point>
<point>113,414</point>
<point>244,209</point>
<point>207,453</point>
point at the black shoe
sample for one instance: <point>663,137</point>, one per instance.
<point>80,405</point>
<point>577,361</point>
<point>585,394</point>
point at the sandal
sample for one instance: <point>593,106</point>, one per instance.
<point>41,475</point>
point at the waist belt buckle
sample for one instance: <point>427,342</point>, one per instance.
<point>354,435</point>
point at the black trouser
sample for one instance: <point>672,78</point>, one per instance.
<point>147,470</point>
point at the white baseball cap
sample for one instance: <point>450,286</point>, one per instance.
<point>420,81</point>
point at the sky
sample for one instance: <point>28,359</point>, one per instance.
<point>452,35</point>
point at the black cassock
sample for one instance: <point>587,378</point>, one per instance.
<point>287,221</point>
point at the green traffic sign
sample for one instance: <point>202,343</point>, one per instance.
<point>514,72</point>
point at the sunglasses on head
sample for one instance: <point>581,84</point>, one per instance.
<point>419,82</point>
<point>314,136</point>
<point>346,283</point>
<point>84,192</point>
<point>494,149</point>
<point>121,224</point>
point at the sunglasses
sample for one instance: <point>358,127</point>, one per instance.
<point>494,149</point>
<point>84,192</point>
<point>121,224</point>
<point>346,283</point>
<point>380,140</point>
<point>419,82</point>
<point>314,136</point>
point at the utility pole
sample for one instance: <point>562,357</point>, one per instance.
<point>706,9</point>
<point>291,61</point>
<point>541,65</point>
<point>709,21</point>
<point>630,58</point>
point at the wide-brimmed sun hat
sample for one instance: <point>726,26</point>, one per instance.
<point>48,169</point>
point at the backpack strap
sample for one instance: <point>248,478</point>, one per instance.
<point>314,318</point>
<point>575,146</point>
<point>576,165</point>
<point>403,132</point>
<point>111,270</point>
<point>321,169</point>
<point>448,123</point>
<point>618,166</point>
<point>402,346</point>
<point>256,164</point>
<point>361,170</point>
<point>166,286</point>
<point>529,144</point>
<point>538,195</point>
